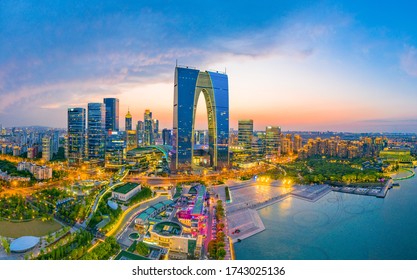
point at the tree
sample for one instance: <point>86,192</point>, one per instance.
<point>212,248</point>
<point>6,245</point>
<point>221,253</point>
<point>142,248</point>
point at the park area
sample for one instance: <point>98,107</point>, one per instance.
<point>32,228</point>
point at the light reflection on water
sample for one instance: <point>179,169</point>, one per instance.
<point>338,226</point>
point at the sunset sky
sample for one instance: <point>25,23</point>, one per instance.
<point>350,66</point>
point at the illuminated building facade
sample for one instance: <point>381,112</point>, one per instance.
<point>96,131</point>
<point>245,133</point>
<point>166,137</point>
<point>131,140</point>
<point>112,114</point>
<point>148,128</point>
<point>189,83</point>
<point>46,148</point>
<point>298,143</point>
<point>76,135</point>
<point>128,121</point>
<point>272,141</point>
<point>115,154</point>
<point>140,133</point>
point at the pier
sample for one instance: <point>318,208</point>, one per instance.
<point>385,189</point>
<point>380,191</point>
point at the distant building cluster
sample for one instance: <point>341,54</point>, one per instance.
<point>335,147</point>
<point>94,135</point>
<point>248,145</point>
<point>30,142</point>
<point>39,172</point>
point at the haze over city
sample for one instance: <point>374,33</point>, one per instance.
<point>300,66</point>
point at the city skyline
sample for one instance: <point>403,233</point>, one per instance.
<point>284,54</point>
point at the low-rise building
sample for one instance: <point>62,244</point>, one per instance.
<point>170,235</point>
<point>39,172</point>
<point>152,211</point>
<point>126,191</point>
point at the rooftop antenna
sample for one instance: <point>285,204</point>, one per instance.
<point>176,63</point>
<point>225,70</point>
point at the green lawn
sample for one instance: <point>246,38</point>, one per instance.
<point>33,228</point>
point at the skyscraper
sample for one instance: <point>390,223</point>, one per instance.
<point>140,133</point>
<point>55,142</point>
<point>189,83</point>
<point>76,135</point>
<point>128,121</point>
<point>46,148</point>
<point>166,137</point>
<point>115,150</point>
<point>272,141</point>
<point>245,133</point>
<point>112,114</point>
<point>155,129</point>
<point>96,131</point>
<point>149,130</point>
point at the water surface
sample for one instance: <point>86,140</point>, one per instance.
<point>338,226</point>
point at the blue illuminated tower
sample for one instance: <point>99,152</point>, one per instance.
<point>96,130</point>
<point>189,83</point>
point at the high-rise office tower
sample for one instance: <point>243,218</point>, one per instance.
<point>140,132</point>
<point>188,85</point>
<point>112,114</point>
<point>272,141</point>
<point>149,130</point>
<point>128,121</point>
<point>76,135</point>
<point>96,130</point>
<point>166,137</point>
<point>115,154</point>
<point>155,129</point>
<point>245,133</point>
<point>55,141</point>
<point>46,148</point>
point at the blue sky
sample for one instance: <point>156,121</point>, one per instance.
<point>347,66</point>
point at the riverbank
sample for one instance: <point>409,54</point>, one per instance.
<point>377,191</point>
<point>403,174</point>
<point>245,222</point>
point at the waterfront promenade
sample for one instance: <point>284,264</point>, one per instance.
<point>377,191</point>
<point>249,197</point>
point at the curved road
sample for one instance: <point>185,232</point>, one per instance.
<point>131,212</point>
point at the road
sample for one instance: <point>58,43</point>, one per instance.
<point>130,213</point>
<point>209,234</point>
<point>110,187</point>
